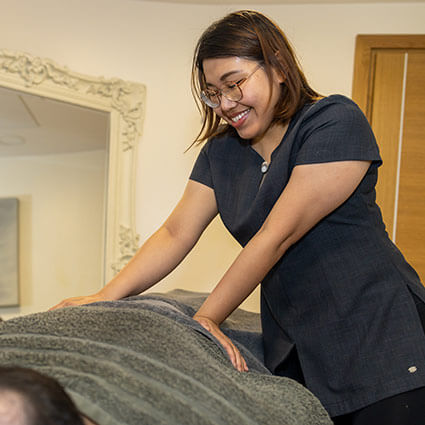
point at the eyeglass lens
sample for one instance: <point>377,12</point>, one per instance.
<point>232,92</point>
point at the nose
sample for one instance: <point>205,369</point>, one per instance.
<point>227,104</point>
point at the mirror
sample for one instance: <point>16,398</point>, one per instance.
<point>105,120</point>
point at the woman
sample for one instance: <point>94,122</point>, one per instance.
<point>292,175</point>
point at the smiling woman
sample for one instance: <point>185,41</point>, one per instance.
<point>73,173</point>
<point>292,175</point>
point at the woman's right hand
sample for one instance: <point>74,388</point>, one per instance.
<point>74,301</point>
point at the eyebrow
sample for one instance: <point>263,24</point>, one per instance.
<point>225,76</point>
<point>228,74</point>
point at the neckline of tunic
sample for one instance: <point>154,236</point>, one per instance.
<point>276,149</point>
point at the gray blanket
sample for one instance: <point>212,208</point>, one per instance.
<point>144,360</point>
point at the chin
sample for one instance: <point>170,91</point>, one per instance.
<point>245,134</point>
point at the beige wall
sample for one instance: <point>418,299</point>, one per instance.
<point>152,43</point>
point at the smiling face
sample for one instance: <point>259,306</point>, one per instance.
<point>253,114</point>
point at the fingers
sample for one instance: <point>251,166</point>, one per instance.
<point>232,351</point>
<point>69,302</point>
<point>235,356</point>
<point>65,303</point>
<point>60,305</point>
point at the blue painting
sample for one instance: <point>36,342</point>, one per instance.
<point>9,293</point>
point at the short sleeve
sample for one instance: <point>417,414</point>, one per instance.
<point>337,130</point>
<point>201,171</point>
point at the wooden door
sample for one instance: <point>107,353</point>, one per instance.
<point>389,86</point>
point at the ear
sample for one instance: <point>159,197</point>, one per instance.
<point>279,74</point>
<point>281,77</point>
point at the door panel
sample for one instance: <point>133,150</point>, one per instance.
<point>385,114</point>
<point>389,85</point>
<point>410,235</point>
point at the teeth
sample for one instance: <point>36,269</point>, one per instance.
<point>239,116</point>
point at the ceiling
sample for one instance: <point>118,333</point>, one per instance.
<point>34,125</point>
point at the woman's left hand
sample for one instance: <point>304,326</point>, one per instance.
<point>234,354</point>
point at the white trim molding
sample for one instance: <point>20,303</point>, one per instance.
<point>125,103</point>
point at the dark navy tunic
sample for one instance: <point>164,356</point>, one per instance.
<point>342,295</point>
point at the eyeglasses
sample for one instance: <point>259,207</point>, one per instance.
<point>232,91</point>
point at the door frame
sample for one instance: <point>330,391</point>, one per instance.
<point>364,56</point>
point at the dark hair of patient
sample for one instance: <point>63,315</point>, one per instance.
<point>43,400</point>
<point>250,35</point>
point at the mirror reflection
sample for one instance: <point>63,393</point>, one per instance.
<point>53,160</point>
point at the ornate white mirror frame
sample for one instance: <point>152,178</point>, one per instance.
<point>124,101</point>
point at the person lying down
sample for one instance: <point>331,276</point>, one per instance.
<point>145,360</point>
<point>31,398</point>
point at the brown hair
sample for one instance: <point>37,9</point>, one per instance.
<point>250,35</point>
<point>43,398</point>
